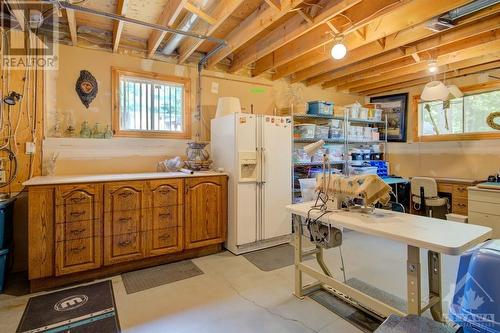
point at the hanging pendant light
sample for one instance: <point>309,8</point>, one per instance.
<point>339,50</point>
<point>435,90</point>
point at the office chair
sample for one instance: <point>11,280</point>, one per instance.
<point>425,187</point>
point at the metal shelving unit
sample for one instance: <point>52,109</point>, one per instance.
<point>343,141</point>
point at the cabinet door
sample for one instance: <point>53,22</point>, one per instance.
<point>124,222</point>
<point>205,211</point>
<point>78,228</point>
<point>165,218</point>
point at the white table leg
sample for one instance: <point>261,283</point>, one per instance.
<point>413,280</point>
<point>298,255</point>
<point>435,289</point>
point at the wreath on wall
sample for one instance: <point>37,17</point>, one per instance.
<point>86,87</point>
<point>490,120</point>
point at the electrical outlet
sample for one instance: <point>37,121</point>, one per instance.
<point>30,148</point>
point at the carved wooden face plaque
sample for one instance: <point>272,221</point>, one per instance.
<point>86,87</point>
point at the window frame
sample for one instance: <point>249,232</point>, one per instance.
<point>116,73</point>
<point>476,88</point>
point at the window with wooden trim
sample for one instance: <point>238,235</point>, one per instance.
<point>459,118</point>
<point>150,105</point>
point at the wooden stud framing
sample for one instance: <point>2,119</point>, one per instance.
<point>276,4</point>
<point>170,13</point>
<point>121,9</point>
<point>200,13</point>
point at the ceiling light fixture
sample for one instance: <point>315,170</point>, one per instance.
<point>433,66</point>
<point>339,50</point>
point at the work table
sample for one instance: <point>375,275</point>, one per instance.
<point>117,177</point>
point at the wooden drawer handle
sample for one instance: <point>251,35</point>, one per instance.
<point>164,237</point>
<point>77,231</point>
<point>125,243</point>
<point>461,189</point>
<point>164,192</point>
<point>164,215</point>
<point>77,199</point>
<point>77,214</point>
<point>124,219</point>
<point>125,194</point>
<point>461,205</point>
<point>77,249</point>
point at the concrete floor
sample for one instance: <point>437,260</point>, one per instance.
<point>235,296</point>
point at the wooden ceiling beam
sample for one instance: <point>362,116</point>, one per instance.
<point>200,13</point>
<point>222,11</point>
<point>70,16</point>
<point>352,18</point>
<point>446,55</point>
<point>450,75</point>
<point>423,74</point>
<point>404,17</point>
<point>121,9</point>
<point>368,56</point>
<point>287,32</point>
<point>261,19</point>
<point>172,10</point>
<point>276,4</point>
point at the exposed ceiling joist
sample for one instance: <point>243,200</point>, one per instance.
<point>475,47</point>
<point>200,13</point>
<point>70,15</point>
<point>121,9</point>
<point>403,17</point>
<point>222,11</point>
<point>452,67</point>
<point>305,16</point>
<point>397,47</point>
<point>427,54</point>
<point>318,39</point>
<point>287,32</point>
<point>450,75</point>
<point>253,25</point>
<point>170,13</point>
<point>276,4</point>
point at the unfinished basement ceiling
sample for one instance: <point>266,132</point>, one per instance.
<point>387,40</point>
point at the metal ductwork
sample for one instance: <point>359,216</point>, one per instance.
<point>176,39</point>
<point>446,21</point>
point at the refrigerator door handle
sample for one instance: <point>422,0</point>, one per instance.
<point>263,166</point>
<point>259,166</point>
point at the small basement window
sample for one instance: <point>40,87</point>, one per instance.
<point>150,105</point>
<point>458,119</point>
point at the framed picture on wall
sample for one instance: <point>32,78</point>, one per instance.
<point>395,107</point>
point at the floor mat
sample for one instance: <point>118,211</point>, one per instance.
<point>273,258</point>
<point>89,308</point>
<point>159,275</point>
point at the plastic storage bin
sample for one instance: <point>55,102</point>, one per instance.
<point>382,168</point>
<point>475,304</point>
<point>304,131</point>
<point>322,132</point>
<point>3,267</point>
<point>308,189</point>
<point>6,226</point>
<point>320,108</point>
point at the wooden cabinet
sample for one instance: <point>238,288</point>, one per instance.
<point>205,211</point>
<point>165,223</point>
<point>484,209</point>
<point>90,230</point>
<point>124,222</point>
<point>77,228</point>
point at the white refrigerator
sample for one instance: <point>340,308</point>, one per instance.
<point>255,150</point>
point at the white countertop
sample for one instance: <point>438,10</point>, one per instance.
<point>437,235</point>
<point>72,179</point>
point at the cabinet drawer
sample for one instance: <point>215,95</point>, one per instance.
<point>484,207</point>
<point>484,196</point>
<point>445,187</point>
<point>125,247</point>
<point>486,220</point>
<point>459,205</point>
<point>76,230</point>
<point>77,255</point>
<point>460,191</point>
